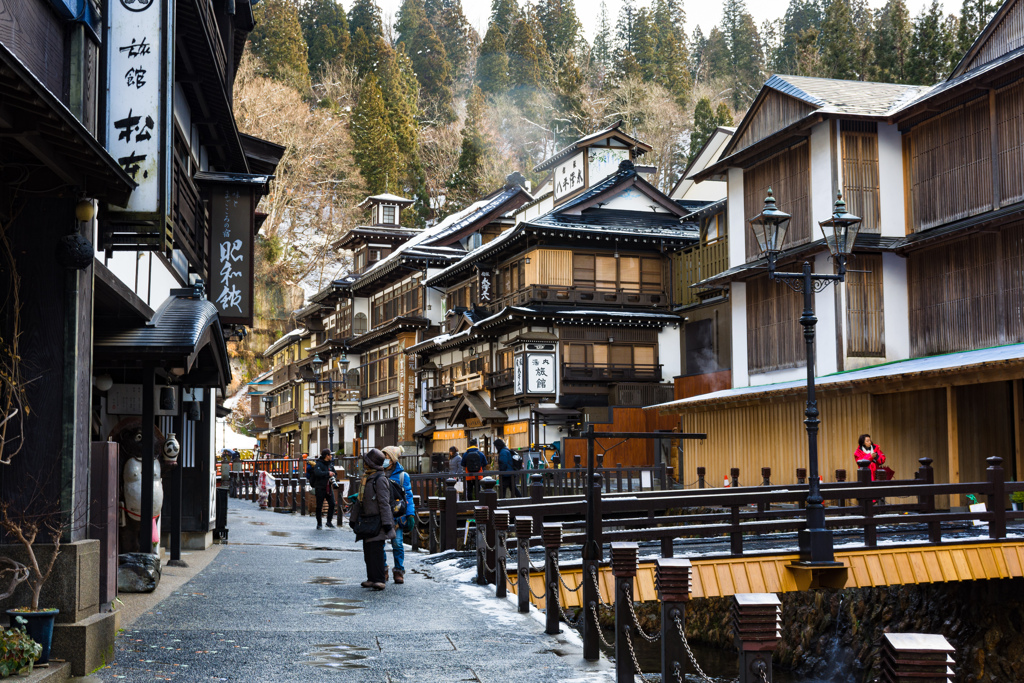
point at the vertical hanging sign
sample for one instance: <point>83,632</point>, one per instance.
<point>137,87</point>
<point>231,254</point>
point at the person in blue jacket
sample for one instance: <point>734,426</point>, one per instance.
<point>507,463</point>
<point>404,523</point>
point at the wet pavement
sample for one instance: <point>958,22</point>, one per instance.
<point>282,602</point>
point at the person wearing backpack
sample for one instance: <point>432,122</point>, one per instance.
<point>474,462</point>
<point>375,499</point>
<point>507,463</point>
<point>402,508</point>
<point>321,477</point>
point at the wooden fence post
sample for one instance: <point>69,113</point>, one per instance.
<point>867,505</point>
<point>302,496</point>
<point>673,582</point>
<point>757,618</point>
<point>997,497</point>
<point>624,561</point>
<point>801,479</point>
<point>552,536</point>
<point>926,475</point>
<point>481,514</point>
<point>701,474</point>
<point>735,474</point>
<point>524,528</point>
<point>489,498</point>
<point>415,542</point>
<point>592,565</point>
<point>433,505</point>
<point>841,478</point>
<point>766,480</point>
<point>450,531</point>
<point>499,520</point>
<point>537,498</point>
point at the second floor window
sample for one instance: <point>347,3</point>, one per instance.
<point>627,273</point>
<point>398,301</point>
<point>388,215</point>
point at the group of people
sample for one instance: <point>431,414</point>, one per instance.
<point>385,492</point>
<point>474,461</point>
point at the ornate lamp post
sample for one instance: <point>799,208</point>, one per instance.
<point>267,401</point>
<point>840,231</point>
<point>318,365</point>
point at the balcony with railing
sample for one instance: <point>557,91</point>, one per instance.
<point>441,392</point>
<point>283,376</point>
<point>499,379</point>
<point>283,414</point>
<point>344,390</point>
<point>190,218</point>
<point>610,372</point>
<point>583,296</point>
<point>695,264</point>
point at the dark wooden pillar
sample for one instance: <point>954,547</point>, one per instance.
<point>172,495</point>
<point>147,449</point>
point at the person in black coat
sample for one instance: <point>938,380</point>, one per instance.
<point>375,499</point>
<point>321,477</point>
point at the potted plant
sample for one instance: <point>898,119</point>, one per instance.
<point>1017,500</point>
<point>25,528</point>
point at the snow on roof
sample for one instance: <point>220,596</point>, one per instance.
<point>621,314</point>
<point>502,236</point>
<point>382,198</point>
<point>285,339</point>
<point>955,362</point>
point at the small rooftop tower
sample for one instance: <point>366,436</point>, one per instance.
<point>385,209</point>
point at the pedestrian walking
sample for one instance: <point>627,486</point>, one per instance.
<point>402,508</point>
<point>322,477</point>
<point>507,463</point>
<point>474,462</point>
<point>454,461</point>
<point>374,508</point>
<point>868,450</point>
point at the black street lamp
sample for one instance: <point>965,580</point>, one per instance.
<point>840,231</point>
<point>318,364</point>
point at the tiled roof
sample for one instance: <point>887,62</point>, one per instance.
<point>631,222</point>
<point>952,83</point>
<point>854,98</point>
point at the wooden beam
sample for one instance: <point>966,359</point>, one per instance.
<point>953,441</point>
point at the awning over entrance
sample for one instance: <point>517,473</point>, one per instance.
<point>184,333</point>
<point>554,413</point>
<point>47,133</point>
<point>967,367</point>
<point>474,404</point>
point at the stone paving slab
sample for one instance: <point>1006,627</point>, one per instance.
<point>282,602</point>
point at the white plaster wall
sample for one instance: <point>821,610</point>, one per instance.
<point>736,224</point>
<point>145,274</point>
<point>825,330</point>
<point>707,191</point>
<point>896,302</point>
<point>434,313</point>
<point>890,180</point>
<point>668,352</point>
<point>538,209</point>
<point>738,295</point>
<point>821,176</point>
<point>361,304</point>
<point>632,199</point>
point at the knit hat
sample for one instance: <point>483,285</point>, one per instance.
<point>391,453</point>
<point>374,459</point>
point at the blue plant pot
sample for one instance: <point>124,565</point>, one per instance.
<point>39,628</point>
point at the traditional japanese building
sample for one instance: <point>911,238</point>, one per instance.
<point>564,316</point>
<point>922,346</point>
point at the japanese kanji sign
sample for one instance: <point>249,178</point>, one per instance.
<point>231,252</point>
<point>486,292</point>
<point>137,97</point>
<point>541,373</point>
<point>569,176</point>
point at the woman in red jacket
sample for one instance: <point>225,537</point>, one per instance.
<point>867,450</point>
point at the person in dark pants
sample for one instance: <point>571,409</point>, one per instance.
<point>375,499</point>
<point>507,464</point>
<point>321,477</point>
<point>474,462</point>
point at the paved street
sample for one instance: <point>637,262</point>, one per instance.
<point>282,602</point>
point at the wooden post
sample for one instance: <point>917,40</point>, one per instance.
<point>624,560</point>
<point>537,498</point>
<point>917,656</point>
<point>302,496</point>
<point>758,623</point>
<point>480,514</point>
<point>449,531</point>
<point>415,543</point>
<point>147,451</point>
<point>766,480</point>
<point>524,528</point>
<point>667,548</point>
<point>499,519</point>
<point>840,478</point>
<point>867,504</point>
<point>552,536</point>
<point>172,500</point>
<point>1018,428</point>
<point>489,498</point>
<point>673,583</point>
<point>801,480</point>
<point>953,441</point>
<point>592,565</point>
<point>926,475</point>
<point>734,473</point>
<point>701,474</point>
<point>618,477</point>
<point>997,498</point>
<point>433,505</point>
<point>279,492</point>
<point>735,536</point>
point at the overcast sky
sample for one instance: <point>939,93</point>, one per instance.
<point>705,13</point>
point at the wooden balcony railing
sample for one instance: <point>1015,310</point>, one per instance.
<point>441,392</point>
<point>696,264</point>
<point>587,372</point>
<point>283,375</point>
<point>283,415</point>
<point>586,296</point>
<point>499,379</point>
<point>191,220</point>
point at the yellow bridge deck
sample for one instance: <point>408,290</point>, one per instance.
<point>777,574</point>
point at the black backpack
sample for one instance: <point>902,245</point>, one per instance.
<point>517,461</point>
<point>398,501</point>
<point>471,460</point>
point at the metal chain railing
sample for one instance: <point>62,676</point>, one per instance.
<point>632,654</point>
<point>689,652</point>
<point>597,625</point>
<point>558,572</point>
<point>597,585</point>
<point>565,617</point>
<point>636,620</point>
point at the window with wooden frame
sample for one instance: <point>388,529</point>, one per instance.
<point>401,300</point>
<point>775,339</point>
<point>359,324</point>
<point>380,372</point>
<point>615,355</point>
<point>865,316</point>
<point>788,175</point>
<point>388,214</point>
<point>626,273</point>
<point>860,172</point>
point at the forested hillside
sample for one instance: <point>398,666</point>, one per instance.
<point>423,106</point>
